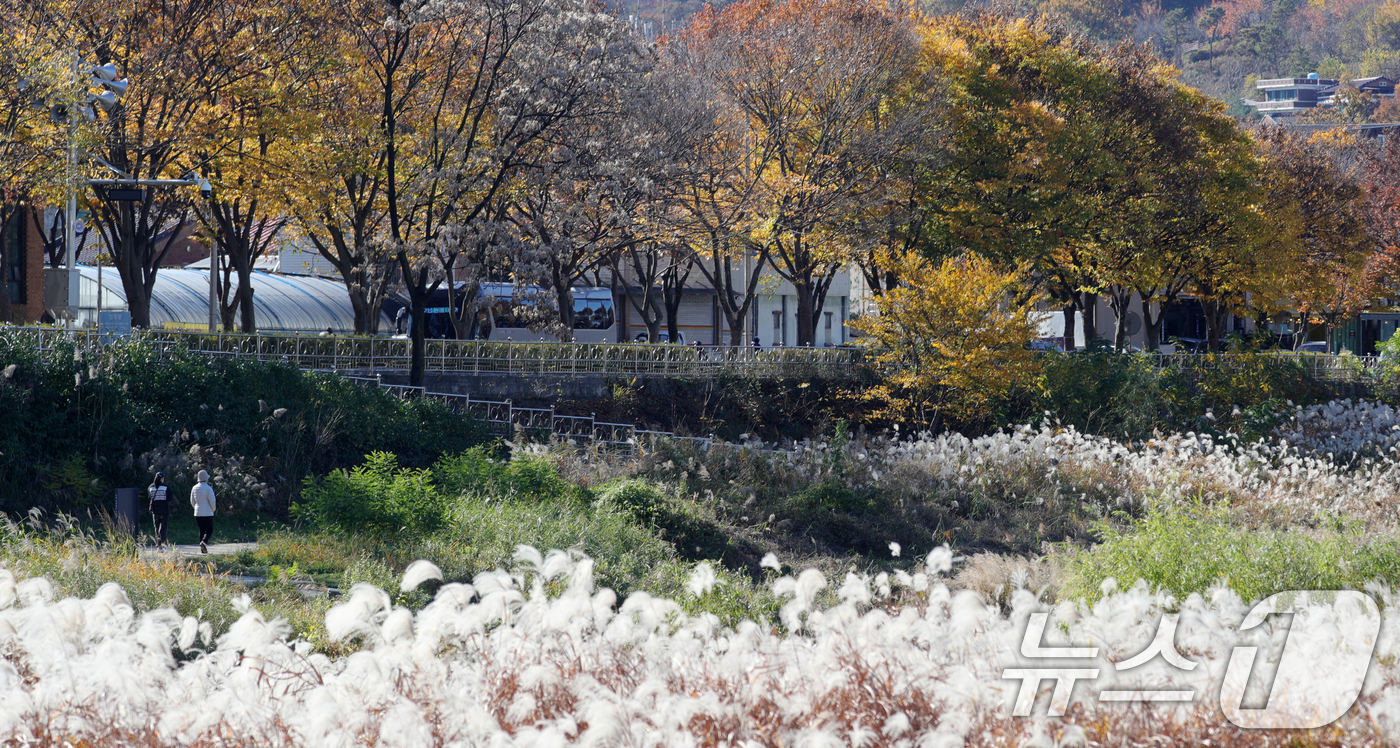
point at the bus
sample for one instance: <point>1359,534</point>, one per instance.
<point>595,314</point>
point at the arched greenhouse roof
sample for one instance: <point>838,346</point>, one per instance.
<point>281,303</point>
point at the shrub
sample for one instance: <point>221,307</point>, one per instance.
<point>638,498</point>
<point>475,471</point>
<point>1191,550</point>
<point>1103,393</point>
<point>1129,394</point>
<point>260,427</point>
<point>377,497</point>
<point>953,344</point>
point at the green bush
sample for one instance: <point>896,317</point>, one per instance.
<point>475,471</point>
<point>376,497</point>
<point>1102,393</point>
<point>638,498</point>
<point>86,423</point>
<point>1191,550</point>
<point>1117,394</point>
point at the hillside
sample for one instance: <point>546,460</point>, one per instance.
<point>1221,47</point>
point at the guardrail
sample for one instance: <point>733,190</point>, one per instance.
<point>366,354</point>
<point>391,355</point>
<point>1346,368</point>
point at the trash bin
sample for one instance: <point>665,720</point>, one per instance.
<point>126,516</point>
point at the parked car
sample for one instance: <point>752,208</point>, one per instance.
<point>1315,346</point>
<point>665,337</point>
<point>1189,345</point>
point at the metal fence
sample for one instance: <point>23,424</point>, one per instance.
<point>1343,368</point>
<point>367,354</point>
<point>391,355</point>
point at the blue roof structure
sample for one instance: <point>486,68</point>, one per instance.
<point>281,303</point>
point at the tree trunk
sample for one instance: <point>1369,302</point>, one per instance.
<point>806,309</point>
<point>1119,300</point>
<point>564,297</point>
<point>652,320</point>
<point>649,310</point>
<point>131,269</point>
<point>672,288</point>
<point>418,339</point>
<point>1152,325</point>
<point>1069,312</point>
<point>673,323</point>
<point>463,315</point>
<point>247,318</point>
<point>360,307</point>
<point>1091,322</point>
<point>719,272</point>
<point>644,263</point>
<point>1215,324</point>
<point>7,215</point>
<point>228,295</point>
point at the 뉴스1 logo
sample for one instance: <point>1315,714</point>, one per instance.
<point>1339,628</point>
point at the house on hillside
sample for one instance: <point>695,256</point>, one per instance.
<point>1288,97</point>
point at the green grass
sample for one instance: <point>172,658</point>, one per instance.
<point>482,534</point>
<point>1193,549</point>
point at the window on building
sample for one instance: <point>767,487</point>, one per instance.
<point>13,237</point>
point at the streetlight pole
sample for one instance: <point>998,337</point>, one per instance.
<point>127,188</point>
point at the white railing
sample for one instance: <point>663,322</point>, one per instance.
<point>1317,366</point>
<point>386,355</point>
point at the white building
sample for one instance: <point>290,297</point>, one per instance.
<point>772,317</point>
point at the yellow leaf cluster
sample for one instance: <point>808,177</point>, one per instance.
<point>954,340</point>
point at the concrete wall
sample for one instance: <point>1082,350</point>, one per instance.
<point>511,386</point>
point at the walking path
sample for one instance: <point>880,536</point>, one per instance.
<point>215,549</point>
<point>308,588</point>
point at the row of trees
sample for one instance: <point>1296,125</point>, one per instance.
<point>423,142</point>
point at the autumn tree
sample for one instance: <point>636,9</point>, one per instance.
<point>245,142</point>
<point>718,160</point>
<point>34,78</point>
<point>1316,207</point>
<point>333,172</point>
<point>812,79</point>
<point>1040,163</point>
<point>1192,175</point>
<point>953,339</point>
<point>578,205</point>
<point>177,58</point>
<point>456,102</point>
<point>1210,20</point>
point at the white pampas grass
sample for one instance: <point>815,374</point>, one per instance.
<point>702,579</point>
<point>417,573</point>
<point>483,664</point>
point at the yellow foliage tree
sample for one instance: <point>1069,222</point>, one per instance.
<point>954,340</point>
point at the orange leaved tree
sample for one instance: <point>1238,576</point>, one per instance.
<point>954,340</point>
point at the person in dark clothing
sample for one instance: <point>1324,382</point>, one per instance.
<point>160,509</point>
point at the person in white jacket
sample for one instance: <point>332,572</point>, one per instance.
<point>202,499</point>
